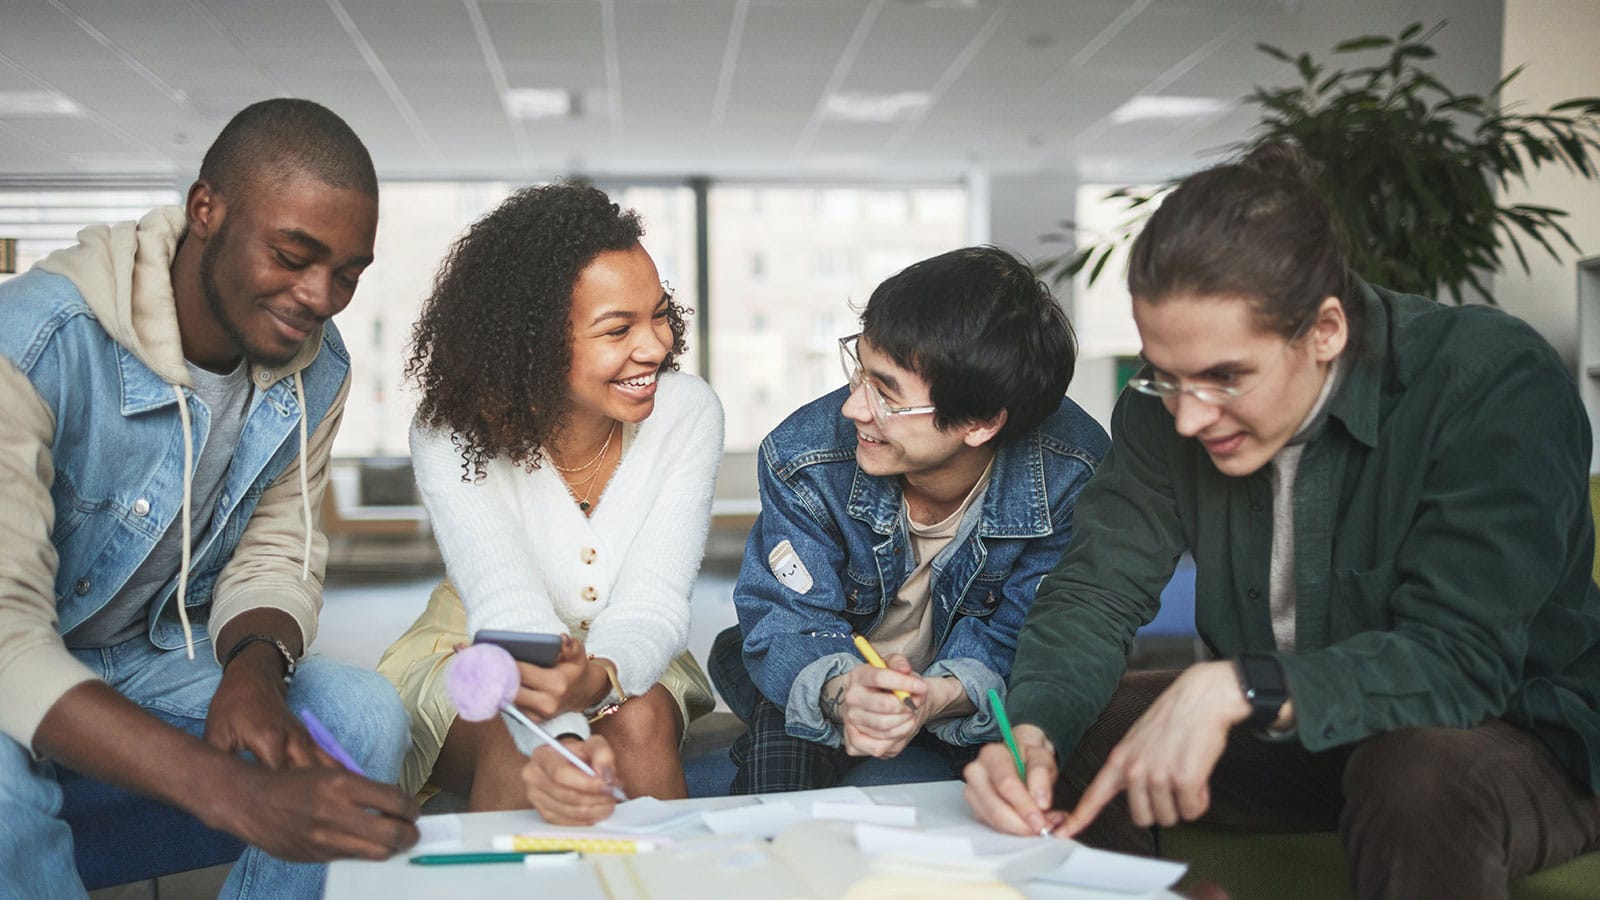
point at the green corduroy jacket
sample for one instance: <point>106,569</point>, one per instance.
<point>1443,547</point>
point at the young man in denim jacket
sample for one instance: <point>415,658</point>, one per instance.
<point>169,391</point>
<point>918,507</point>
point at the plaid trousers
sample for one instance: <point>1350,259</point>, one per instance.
<point>769,759</point>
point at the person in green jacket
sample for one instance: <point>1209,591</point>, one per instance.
<point>1386,500</point>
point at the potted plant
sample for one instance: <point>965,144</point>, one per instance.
<point>1409,166</point>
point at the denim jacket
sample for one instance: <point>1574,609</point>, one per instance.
<point>847,531</point>
<point>92,463</point>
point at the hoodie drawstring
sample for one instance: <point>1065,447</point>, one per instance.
<point>188,499</point>
<point>305,495</point>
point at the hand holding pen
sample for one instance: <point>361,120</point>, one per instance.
<point>1011,784</point>
<point>482,681</point>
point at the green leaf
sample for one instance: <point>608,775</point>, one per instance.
<point>1369,42</point>
<point>1105,256</point>
<point>1274,52</point>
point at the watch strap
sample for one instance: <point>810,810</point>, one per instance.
<point>1265,689</point>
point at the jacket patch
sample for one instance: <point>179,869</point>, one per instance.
<point>788,569</point>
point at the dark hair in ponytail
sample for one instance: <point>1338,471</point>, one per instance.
<point>1255,228</point>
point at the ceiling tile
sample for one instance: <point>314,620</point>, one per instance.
<point>156,30</point>
<point>910,47</point>
<point>105,91</point>
<point>795,39</point>
<point>299,34</point>
<point>46,35</point>
<point>539,36</point>
<point>417,31</point>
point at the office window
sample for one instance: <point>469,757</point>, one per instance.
<point>773,339</point>
<point>1103,313</point>
<point>43,221</point>
<point>417,223</point>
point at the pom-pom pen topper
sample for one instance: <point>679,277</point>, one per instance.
<point>482,681</point>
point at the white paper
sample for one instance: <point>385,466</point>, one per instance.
<point>1106,871</point>
<point>438,832</point>
<point>902,816</point>
<point>971,849</point>
<point>844,794</point>
<point>763,820</point>
<point>902,843</point>
<point>646,814</point>
<point>988,842</point>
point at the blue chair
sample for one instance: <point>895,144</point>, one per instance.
<point>1175,619</point>
<point>120,837</point>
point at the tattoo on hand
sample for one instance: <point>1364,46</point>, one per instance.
<point>833,707</point>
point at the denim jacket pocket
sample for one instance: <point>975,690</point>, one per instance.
<point>984,596</point>
<point>71,510</point>
<point>862,597</point>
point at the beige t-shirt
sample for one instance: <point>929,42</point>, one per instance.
<point>907,625</point>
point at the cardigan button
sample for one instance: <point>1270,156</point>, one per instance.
<point>1253,594</point>
<point>587,554</point>
<point>590,594</point>
<point>141,507</point>
<point>584,625</point>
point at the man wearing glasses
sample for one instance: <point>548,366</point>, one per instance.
<point>918,507</point>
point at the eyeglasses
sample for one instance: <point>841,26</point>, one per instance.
<point>1214,394</point>
<point>880,408</point>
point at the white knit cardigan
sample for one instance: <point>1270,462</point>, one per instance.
<point>523,556</point>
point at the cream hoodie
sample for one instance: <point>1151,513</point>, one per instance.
<point>123,272</point>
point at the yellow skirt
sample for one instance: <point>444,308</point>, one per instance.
<point>415,665</point>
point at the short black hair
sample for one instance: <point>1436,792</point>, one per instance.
<point>273,139</point>
<point>982,330</point>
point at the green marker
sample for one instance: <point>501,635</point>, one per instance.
<point>460,859</point>
<point>1011,741</point>
<point>1005,732</point>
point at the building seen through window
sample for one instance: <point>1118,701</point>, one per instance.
<point>790,266</point>
<point>774,326</point>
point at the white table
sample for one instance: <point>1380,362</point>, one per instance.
<point>938,804</point>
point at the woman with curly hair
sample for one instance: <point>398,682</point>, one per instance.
<point>567,469</point>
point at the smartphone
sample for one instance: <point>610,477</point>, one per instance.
<point>530,647</point>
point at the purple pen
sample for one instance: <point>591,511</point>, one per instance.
<point>326,740</point>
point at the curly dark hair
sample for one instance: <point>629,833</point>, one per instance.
<point>492,347</point>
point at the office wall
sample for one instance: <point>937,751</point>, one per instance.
<point>1022,208</point>
<point>1559,43</point>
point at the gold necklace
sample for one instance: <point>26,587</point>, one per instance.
<point>603,448</point>
<point>588,483</point>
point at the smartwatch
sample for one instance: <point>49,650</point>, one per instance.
<point>1261,679</point>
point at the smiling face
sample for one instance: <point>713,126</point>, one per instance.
<point>905,444</point>
<point>1218,342</point>
<point>275,262</point>
<point>620,336</point>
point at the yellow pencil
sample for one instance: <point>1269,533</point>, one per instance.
<point>529,843</point>
<point>876,661</point>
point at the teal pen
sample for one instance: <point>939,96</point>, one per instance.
<point>1005,731</point>
<point>458,859</point>
<point>1011,740</point>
